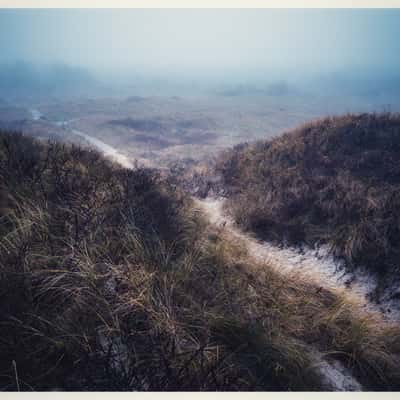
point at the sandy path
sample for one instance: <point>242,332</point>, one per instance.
<point>316,265</point>
<point>108,151</point>
<point>310,265</point>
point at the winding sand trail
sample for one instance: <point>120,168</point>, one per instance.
<point>108,151</point>
<point>315,266</point>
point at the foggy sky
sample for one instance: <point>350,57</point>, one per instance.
<point>208,43</point>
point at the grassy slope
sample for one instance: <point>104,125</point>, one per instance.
<point>336,181</point>
<point>110,280</point>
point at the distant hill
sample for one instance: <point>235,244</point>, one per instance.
<point>24,80</point>
<point>278,88</point>
<point>334,181</point>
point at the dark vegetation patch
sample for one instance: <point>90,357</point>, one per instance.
<point>144,125</point>
<point>197,137</point>
<point>334,181</point>
<point>196,123</point>
<point>154,141</point>
<point>159,126</point>
<point>110,280</point>
<point>160,133</point>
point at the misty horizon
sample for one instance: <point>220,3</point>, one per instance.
<point>203,48</point>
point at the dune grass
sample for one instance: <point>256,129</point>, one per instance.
<point>110,280</point>
<point>334,181</point>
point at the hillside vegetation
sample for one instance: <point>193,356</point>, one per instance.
<point>109,280</point>
<point>334,181</point>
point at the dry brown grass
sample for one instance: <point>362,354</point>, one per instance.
<point>335,181</point>
<point>110,281</point>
